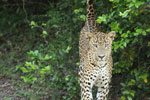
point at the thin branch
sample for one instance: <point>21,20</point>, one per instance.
<point>25,11</point>
<point>29,3</point>
<point>147,7</point>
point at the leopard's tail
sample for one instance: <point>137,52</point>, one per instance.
<point>90,17</point>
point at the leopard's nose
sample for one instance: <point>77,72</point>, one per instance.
<point>102,56</point>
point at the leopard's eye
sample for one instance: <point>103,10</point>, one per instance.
<point>106,45</point>
<point>95,45</point>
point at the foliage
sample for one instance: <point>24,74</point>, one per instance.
<point>42,42</point>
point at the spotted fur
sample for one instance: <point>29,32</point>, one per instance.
<point>95,58</point>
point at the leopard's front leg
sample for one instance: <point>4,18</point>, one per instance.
<point>102,83</point>
<point>88,79</point>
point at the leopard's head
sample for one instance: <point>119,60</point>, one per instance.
<point>100,47</point>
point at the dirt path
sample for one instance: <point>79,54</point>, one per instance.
<point>8,90</point>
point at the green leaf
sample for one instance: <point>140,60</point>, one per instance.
<point>68,49</point>
<point>123,98</point>
<point>124,35</point>
<point>47,57</point>
<point>27,63</point>
<point>34,79</point>
<point>23,69</point>
<point>45,70</point>
<point>33,67</point>
<point>117,1</point>
<point>144,76</point>
<point>139,30</point>
<point>115,26</point>
<point>126,92</point>
<point>1,34</point>
<point>76,11</point>
<point>66,78</point>
<point>42,71</point>
<point>136,34</point>
<point>111,0</point>
<point>83,1</point>
<point>44,32</point>
<point>129,98</point>
<point>43,24</point>
<point>83,17</point>
<point>33,24</point>
<point>124,44</point>
<point>101,19</point>
<point>148,30</point>
<point>17,67</point>
<point>123,84</point>
<point>125,13</point>
<point>132,94</point>
<point>144,33</point>
<point>78,63</point>
<point>131,82</point>
<point>138,3</point>
<point>48,68</point>
<point>25,79</point>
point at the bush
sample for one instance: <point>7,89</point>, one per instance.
<point>53,31</point>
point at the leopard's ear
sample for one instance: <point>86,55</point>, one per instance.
<point>111,35</point>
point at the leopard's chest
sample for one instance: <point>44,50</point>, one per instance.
<point>103,76</point>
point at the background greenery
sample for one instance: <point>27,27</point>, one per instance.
<point>39,46</point>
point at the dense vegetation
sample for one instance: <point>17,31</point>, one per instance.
<point>39,46</point>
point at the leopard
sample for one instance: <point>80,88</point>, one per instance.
<point>95,51</point>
